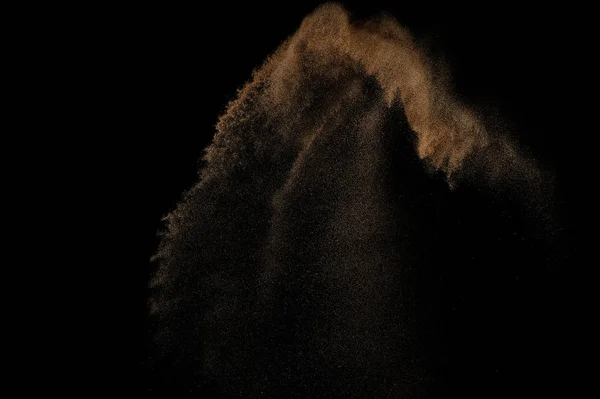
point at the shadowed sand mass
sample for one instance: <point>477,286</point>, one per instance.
<point>291,268</point>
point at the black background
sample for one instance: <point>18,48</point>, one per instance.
<point>171,71</point>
